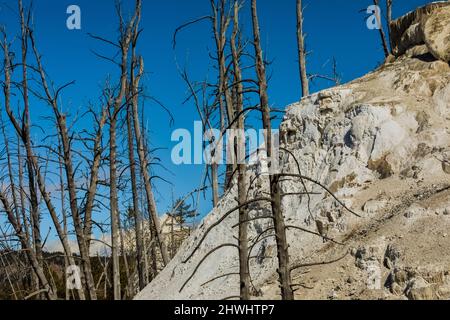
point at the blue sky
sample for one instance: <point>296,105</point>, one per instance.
<point>335,29</point>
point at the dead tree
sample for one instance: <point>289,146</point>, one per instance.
<point>51,98</point>
<point>389,20</point>
<point>124,47</point>
<point>129,36</point>
<point>223,103</point>
<point>301,50</point>
<point>135,196</point>
<point>31,255</point>
<point>26,138</point>
<point>142,154</point>
<point>334,77</point>
<point>278,218</point>
<point>22,129</point>
<point>221,21</point>
<point>63,213</point>
<point>384,41</point>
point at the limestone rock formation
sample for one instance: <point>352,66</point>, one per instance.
<point>429,25</point>
<point>436,31</point>
<point>382,144</point>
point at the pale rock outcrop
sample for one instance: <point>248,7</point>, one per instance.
<point>436,33</point>
<point>382,137</point>
<point>427,28</point>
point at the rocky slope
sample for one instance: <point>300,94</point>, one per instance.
<point>382,144</point>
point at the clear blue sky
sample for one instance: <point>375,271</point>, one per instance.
<point>334,29</point>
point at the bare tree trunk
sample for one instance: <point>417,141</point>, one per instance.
<point>280,230</point>
<point>172,237</point>
<point>140,249</point>
<point>301,50</point>
<point>68,258</point>
<point>389,19</point>
<point>132,35</point>
<point>25,219</point>
<point>262,79</point>
<point>59,230</point>
<point>215,183</point>
<point>93,182</point>
<point>10,171</point>
<point>136,212</point>
<point>282,245</point>
<point>21,190</point>
<point>5,267</point>
<point>71,184</point>
<point>63,213</point>
<point>37,268</point>
<point>129,282</point>
<point>114,206</point>
<point>35,215</point>
<point>146,176</point>
<point>14,197</point>
<point>244,271</point>
<point>221,22</point>
<point>125,43</point>
<point>153,254</point>
<point>382,34</point>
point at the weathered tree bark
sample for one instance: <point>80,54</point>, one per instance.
<point>220,26</point>
<point>93,180</point>
<point>113,196</point>
<point>59,230</point>
<point>114,203</point>
<point>143,161</point>
<point>12,183</point>
<point>384,42</point>
<point>136,212</point>
<point>63,213</point>
<point>151,205</point>
<point>126,38</point>
<point>172,237</point>
<point>70,178</point>
<point>129,288</point>
<point>221,22</point>
<point>282,245</point>
<point>301,50</point>
<point>26,123</point>
<point>215,183</point>
<point>389,20</point>
<point>244,272</point>
<point>134,83</point>
<point>37,268</point>
<point>282,248</point>
<point>262,79</point>
<point>21,190</point>
<point>34,253</point>
<point>25,219</point>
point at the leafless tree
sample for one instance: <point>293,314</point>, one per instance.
<point>389,19</point>
<point>275,192</point>
<point>384,41</point>
<point>301,50</point>
<point>240,150</point>
<point>135,210</point>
